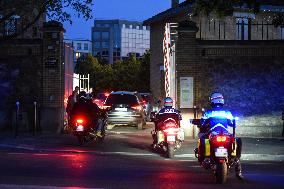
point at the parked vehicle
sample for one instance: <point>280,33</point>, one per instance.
<point>170,137</point>
<point>220,153</point>
<point>125,108</point>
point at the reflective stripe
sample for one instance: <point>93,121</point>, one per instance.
<point>218,125</point>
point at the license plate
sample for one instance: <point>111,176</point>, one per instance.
<point>121,109</point>
<point>171,138</point>
<point>80,128</point>
<point>221,152</point>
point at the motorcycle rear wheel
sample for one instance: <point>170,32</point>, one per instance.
<point>81,139</point>
<point>221,173</point>
<point>170,151</point>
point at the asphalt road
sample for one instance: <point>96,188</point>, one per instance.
<point>124,160</point>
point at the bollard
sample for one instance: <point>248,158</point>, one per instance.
<point>195,117</point>
<point>34,132</point>
<point>17,116</point>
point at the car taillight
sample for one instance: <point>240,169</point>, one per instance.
<point>105,107</point>
<point>136,107</point>
<point>97,100</point>
<point>106,94</point>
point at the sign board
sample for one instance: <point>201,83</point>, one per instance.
<point>51,62</point>
<point>186,92</point>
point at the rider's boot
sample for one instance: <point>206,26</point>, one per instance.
<point>99,134</point>
<point>238,169</point>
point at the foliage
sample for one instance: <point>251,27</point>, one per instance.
<point>30,11</point>
<point>223,8</point>
<point>130,74</point>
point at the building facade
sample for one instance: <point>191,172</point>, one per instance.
<point>33,70</point>
<point>115,40</point>
<point>82,47</point>
<point>240,56</point>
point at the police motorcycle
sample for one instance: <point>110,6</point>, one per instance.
<point>219,151</point>
<point>170,137</point>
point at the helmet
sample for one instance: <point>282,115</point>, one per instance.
<point>216,99</point>
<point>89,96</point>
<point>82,94</point>
<point>168,102</point>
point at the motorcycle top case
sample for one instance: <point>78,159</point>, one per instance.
<point>207,148</point>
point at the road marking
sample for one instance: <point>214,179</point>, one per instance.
<point>8,186</point>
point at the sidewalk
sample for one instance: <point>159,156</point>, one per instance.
<point>253,148</point>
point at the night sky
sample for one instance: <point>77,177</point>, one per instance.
<point>136,10</point>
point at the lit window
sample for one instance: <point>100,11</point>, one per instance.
<point>282,33</point>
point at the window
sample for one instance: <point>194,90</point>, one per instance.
<point>282,33</point>
<point>79,46</point>
<point>97,45</point>
<point>97,35</point>
<point>86,46</point>
<point>105,35</point>
<point>105,45</point>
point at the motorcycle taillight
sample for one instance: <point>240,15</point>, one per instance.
<point>79,121</point>
<point>219,139</point>
<point>171,130</point>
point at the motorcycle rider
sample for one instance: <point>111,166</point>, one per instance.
<point>165,113</point>
<point>91,111</point>
<point>215,119</point>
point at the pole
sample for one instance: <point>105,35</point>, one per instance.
<point>35,118</point>
<point>17,117</point>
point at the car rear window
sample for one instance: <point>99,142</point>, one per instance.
<point>121,99</point>
<point>101,96</point>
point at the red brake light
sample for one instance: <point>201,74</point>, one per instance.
<point>136,107</point>
<point>105,107</point>
<point>80,121</point>
<point>106,94</point>
<point>221,138</point>
<point>171,130</point>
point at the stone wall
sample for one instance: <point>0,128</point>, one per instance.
<point>248,73</point>
<point>33,70</point>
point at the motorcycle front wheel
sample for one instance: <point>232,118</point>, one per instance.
<point>221,173</point>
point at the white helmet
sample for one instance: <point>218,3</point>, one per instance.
<point>216,98</point>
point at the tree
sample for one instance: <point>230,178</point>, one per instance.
<point>144,75</point>
<point>223,8</point>
<point>87,65</point>
<point>31,10</point>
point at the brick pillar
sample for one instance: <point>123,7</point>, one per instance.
<point>53,76</point>
<point>187,65</point>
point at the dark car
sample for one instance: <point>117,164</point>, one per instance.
<point>100,99</point>
<point>125,108</point>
